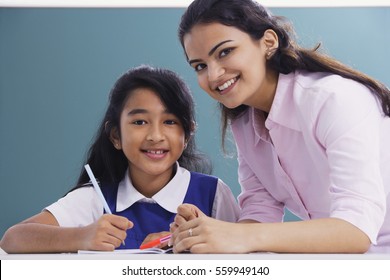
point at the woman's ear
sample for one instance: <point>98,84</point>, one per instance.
<point>114,138</point>
<point>271,42</point>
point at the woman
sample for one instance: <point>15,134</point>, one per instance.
<point>311,135</point>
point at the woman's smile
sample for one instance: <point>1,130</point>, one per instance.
<point>227,86</point>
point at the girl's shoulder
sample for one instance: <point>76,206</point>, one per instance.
<point>201,175</point>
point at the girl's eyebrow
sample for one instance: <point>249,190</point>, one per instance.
<point>213,49</point>
<point>137,111</point>
<point>143,111</point>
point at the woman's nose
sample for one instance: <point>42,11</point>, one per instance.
<point>215,71</point>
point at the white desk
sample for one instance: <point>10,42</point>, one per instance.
<point>114,266</point>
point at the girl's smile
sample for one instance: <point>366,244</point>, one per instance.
<point>155,154</point>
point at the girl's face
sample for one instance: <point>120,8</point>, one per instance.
<point>231,66</point>
<point>152,139</point>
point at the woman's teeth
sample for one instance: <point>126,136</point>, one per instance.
<point>227,84</point>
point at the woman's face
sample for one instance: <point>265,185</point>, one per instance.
<point>230,65</point>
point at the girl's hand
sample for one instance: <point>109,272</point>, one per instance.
<point>208,235</point>
<point>153,236</point>
<point>105,234</point>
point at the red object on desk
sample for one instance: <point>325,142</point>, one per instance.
<point>156,242</point>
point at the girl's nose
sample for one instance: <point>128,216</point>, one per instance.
<point>155,133</point>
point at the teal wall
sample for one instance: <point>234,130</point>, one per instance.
<point>57,66</point>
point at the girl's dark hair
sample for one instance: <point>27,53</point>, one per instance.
<point>253,19</point>
<point>110,164</point>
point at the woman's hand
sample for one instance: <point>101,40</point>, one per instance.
<point>105,234</point>
<point>185,212</point>
<point>198,233</point>
<point>208,235</point>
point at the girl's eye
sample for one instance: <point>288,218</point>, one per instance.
<point>199,67</point>
<point>139,122</point>
<point>170,122</point>
<point>225,52</point>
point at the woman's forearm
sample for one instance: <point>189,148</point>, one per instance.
<point>328,235</point>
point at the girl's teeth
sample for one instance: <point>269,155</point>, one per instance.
<point>156,152</point>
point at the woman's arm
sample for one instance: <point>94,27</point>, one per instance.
<point>225,207</point>
<point>328,235</point>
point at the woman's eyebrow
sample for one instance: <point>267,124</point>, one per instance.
<point>217,46</point>
<point>213,49</point>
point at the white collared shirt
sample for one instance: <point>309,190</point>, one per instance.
<point>82,206</point>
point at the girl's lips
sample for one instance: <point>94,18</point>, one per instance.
<point>155,154</point>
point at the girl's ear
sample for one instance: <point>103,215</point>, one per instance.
<point>193,128</point>
<point>192,133</point>
<point>114,138</point>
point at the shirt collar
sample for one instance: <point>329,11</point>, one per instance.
<point>258,119</point>
<point>169,197</point>
<point>283,111</point>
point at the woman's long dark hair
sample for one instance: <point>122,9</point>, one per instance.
<point>253,19</point>
<point>110,164</point>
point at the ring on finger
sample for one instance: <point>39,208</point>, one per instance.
<point>190,232</point>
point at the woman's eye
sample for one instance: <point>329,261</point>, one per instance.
<point>225,52</point>
<point>199,67</point>
<point>139,122</point>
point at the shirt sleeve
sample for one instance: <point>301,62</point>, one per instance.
<point>225,206</point>
<point>78,208</point>
<point>349,127</point>
<point>255,201</point>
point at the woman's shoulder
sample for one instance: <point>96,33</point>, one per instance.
<point>312,91</point>
<point>325,83</point>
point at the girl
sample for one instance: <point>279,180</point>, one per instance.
<point>142,155</point>
<point>311,133</point>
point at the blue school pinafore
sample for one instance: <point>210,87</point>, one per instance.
<point>151,217</point>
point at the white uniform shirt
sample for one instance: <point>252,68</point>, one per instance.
<point>82,206</point>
